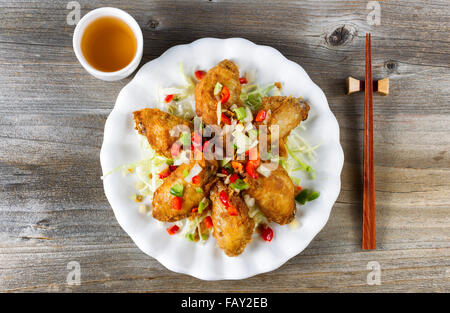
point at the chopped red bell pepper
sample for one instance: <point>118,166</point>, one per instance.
<point>196,180</point>
<point>176,203</point>
<point>173,230</point>
<point>194,210</point>
<point>168,98</point>
<point>267,234</point>
<point>208,222</point>
<point>298,188</point>
<point>175,149</point>
<point>243,80</point>
<point>261,116</point>
<point>164,174</point>
<point>196,139</point>
<point>253,155</point>
<point>225,119</point>
<point>223,196</point>
<point>225,93</point>
<point>234,177</point>
<point>250,168</point>
<point>173,167</point>
<point>199,74</point>
<point>205,146</point>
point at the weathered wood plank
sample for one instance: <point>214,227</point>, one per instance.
<point>52,113</point>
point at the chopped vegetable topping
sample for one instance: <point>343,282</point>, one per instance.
<point>217,89</point>
<point>203,205</point>
<point>238,167</point>
<point>199,74</point>
<point>196,180</point>
<point>208,222</point>
<point>199,190</point>
<point>225,93</point>
<point>168,98</point>
<point>243,80</point>
<point>164,174</point>
<point>239,184</point>
<point>234,177</point>
<point>205,146</point>
<point>306,195</point>
<point>173,167</point>
<point>176,203</point>
<point>173,230</point>
<point>197,140</point>
<point>185,139</point>
<point>177,190</point>
<point>194,210</point>
<point>250,168</point>
<point>240,113</point>
<point>253,98</point>
<point>225,119</point>
<point>185,172</point>
<point>267,234</point>
<point>261,116</point>
<point>223,196</point>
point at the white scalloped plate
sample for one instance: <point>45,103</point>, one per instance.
<point>120,146</point>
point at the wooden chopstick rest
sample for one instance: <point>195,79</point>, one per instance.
<point>380,86</point>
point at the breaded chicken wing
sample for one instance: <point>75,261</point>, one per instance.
<point>274,195</point>
<point>286,112</point>
<point>227,74</point>
<point>233,232</point>
<point>156,126</point>
<point>163,209</point>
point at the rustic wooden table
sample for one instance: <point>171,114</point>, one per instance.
<point>52,206</point>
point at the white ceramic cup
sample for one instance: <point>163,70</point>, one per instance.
<point>130,21</point>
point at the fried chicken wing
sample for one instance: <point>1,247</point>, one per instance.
<point>227,74</point>
<point>233,232</point>
<point>156,126</point>
<point>162,200</point>
<point>274,195</point>
<point>286,112</point>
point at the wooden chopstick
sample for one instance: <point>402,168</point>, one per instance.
<point>369,231</point>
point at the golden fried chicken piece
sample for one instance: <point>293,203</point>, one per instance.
<point>226,73</point>
<point>156,126</point>
<point>274,195</point>
<point>233,232</point>
<point>163,209</point>
<point>286,112</point>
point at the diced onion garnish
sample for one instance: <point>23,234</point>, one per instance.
<point>217,88</point>
<point>264,170</point>
<point>196,169</point>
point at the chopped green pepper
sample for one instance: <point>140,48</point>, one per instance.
<point>240,113</point>
<point>177,190</point>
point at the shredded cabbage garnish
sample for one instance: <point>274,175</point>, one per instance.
<point>183,104</point>
<point>146,170</point>
<point>299,150</point>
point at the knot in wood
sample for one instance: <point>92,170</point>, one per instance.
<point>152,23</point>
<point>339,36</point>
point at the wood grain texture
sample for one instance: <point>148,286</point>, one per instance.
<point>52,113</point>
